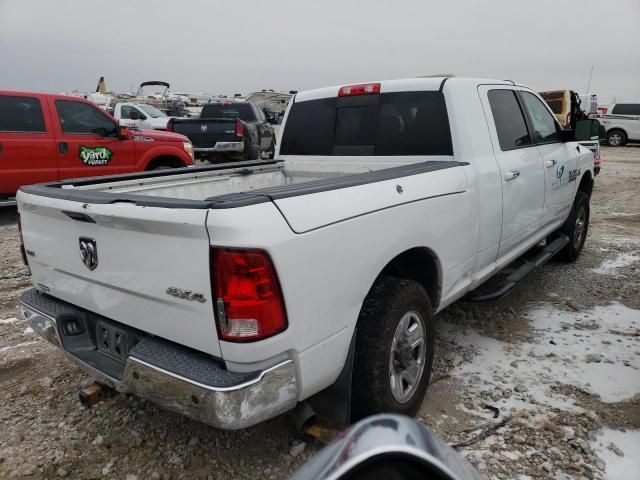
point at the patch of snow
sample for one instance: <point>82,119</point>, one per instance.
<point>616,467</point>
<point>610,267</point>
<point>557,356</point>
<point>8,321</point>
<point>511,455</point>
<point>27,331</point>
<point>19,345</point>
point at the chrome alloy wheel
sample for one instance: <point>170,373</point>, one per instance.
<point>615,140</point>
<point>406,362</point>
<point>581,223</point>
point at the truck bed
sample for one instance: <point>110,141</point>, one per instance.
<point>234,184</point>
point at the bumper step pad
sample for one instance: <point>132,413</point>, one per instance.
<point>195,366</point>
<point>171,357</point>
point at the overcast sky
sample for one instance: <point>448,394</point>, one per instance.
<point>225,46</point>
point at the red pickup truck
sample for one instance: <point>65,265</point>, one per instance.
<point>46,137</point>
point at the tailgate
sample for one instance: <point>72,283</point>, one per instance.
<point>206,133</point>
<point>142,253</point>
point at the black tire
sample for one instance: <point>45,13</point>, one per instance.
<point>389,301</point>
<point>271,151</point>
<point>616,138</point>
<point>251,152</point>
<point>577,235</point>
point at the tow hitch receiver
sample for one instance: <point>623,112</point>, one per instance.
<point>95,393</point>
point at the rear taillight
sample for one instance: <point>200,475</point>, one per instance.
<point>248,301</point>
<point>360,89</point>
<point>170,125</point>
<point>239,129</point>
<point>22,249</point>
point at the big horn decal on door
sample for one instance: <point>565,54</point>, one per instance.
<point>95,156</point>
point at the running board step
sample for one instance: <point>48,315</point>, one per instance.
<point>516,276</point>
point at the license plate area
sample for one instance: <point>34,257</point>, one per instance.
<point>113,341</point>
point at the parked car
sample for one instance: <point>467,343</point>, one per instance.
<point>141,116</point>
<point>46,138</point>
<point>234,293</point>
<point>622,123</point>
<point>228,130</point>
<point>569,107</point>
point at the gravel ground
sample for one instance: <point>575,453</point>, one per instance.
<point>542,384</point>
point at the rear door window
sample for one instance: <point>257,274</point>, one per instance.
<point>21,114</point>
<point>389,124</point>
<point>626,109</point>
<point>509,119</point>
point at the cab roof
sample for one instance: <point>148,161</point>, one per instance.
<point>402,85</point>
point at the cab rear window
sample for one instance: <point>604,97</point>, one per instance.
<point>228,110</point>
<point>389,124</point>
<point>20,114</point>
<point>626,109</point>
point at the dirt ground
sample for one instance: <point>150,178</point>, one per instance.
<point>542,384</point>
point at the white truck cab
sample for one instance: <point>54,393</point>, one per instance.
<point>141,116</point>
<point>233,293</point>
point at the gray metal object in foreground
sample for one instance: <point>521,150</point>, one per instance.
<point>268,394</point>
<point>387,446</point>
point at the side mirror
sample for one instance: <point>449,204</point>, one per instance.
<point>590,129</point>
<point>123,132</point>
<point>567,135</point>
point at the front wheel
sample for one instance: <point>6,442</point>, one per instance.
<point>616,138</point>
<point>576,228</point>
<point>395,341</point>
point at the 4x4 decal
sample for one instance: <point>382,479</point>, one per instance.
<point>95,156</point>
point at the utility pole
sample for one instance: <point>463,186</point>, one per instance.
<point>589,83</point>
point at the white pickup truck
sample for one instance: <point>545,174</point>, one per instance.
<point>622,123</point>
<point>141,116</point>
<point>234,293</point>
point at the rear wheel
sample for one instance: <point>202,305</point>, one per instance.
<point>271,151</point>
<point>576,228</point>
<point>616,138</point>
<point>394,348</point>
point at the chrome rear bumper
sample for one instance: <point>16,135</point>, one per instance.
<point>221,147</point>
<point>269,393</point>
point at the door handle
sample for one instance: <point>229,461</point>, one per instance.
<point>550,163</point>
<point>1,151</point>
<point>63,147</point>
<point>512,175</point>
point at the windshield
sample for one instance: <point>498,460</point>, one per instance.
<point>228,110</point>
<point>152,111</point>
